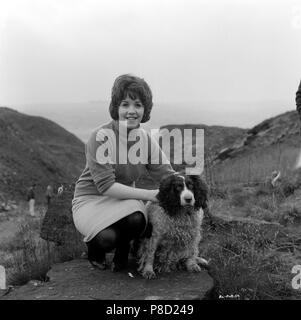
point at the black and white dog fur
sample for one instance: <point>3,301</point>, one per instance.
<point>176,227</point>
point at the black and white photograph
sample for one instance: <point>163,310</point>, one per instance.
<point>150,152</point>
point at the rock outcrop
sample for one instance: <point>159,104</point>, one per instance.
<point>78,280</point>
<point>58,225</point>
<point>284,128</point>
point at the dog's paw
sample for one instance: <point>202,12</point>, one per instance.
<point>194,268</point>
<point>148,273</point>
<point>202,261</point>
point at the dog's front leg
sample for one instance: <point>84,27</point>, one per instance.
<point>203,262</point>
<point>192,262</point>
<point>148,270</point>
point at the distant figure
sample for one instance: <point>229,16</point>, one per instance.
<point>275,177</point>
<point>60,190</point>
<point>49,194</point>
<point>298,100</point>
<point>31,199</point>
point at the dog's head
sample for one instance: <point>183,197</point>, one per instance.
<point>179,190</point>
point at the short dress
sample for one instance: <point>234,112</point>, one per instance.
<point>114,155</point>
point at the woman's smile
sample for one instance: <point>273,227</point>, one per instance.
<point>131,111</point>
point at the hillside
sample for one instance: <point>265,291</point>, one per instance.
<point>281,129</point>
<point>273,144</point>
<point>215,137</point>
<point>34,149</point>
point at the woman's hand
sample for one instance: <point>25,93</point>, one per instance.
<point>121,191</point>
<point>153,194</point>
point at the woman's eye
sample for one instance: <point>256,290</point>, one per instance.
<point>138,105</point>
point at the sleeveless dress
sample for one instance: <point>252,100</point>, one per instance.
<point>112,156</point>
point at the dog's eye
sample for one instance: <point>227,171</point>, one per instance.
<point>179,186</point>
<point>189,185</point>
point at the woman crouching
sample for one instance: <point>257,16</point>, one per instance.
<point>107,208</point>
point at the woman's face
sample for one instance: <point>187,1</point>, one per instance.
<point>131,111</point>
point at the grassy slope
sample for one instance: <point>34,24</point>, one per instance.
<point>34,149</point>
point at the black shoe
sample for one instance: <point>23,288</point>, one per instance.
<point>120,260</point>
<point>116,267</point>
<point>96,258</point>
<point>99,265</point>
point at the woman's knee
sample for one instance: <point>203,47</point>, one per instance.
<point>125,229</point>
<point>134,222</point>
<point>106,239</point>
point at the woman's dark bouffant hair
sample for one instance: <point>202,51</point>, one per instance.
<point>135,88</point>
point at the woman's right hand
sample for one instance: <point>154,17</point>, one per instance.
<point>153,194</point>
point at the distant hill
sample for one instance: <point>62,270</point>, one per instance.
<point>273,144</point>
<point>34,149</point>
<point>282,129</point>
<point>78,118</point>
<point>235,155</point>
<point>215,137</point>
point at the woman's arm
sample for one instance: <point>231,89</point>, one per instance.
<point>121,191</point>
<point>103,174</point>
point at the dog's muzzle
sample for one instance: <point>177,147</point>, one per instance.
<point>187,198</point>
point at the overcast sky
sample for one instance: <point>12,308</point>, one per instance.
<point>188,51</point>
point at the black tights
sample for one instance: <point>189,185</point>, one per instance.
<point>117,235</point>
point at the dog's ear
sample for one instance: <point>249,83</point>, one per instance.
<point>167,196</point>
<point>200,190</point>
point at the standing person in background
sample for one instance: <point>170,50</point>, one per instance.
<point>31,199</point>
<point>49,194</point>
<point>60,190</point>
<point>298,100</point>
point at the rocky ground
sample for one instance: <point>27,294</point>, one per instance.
<point>78,280</point>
